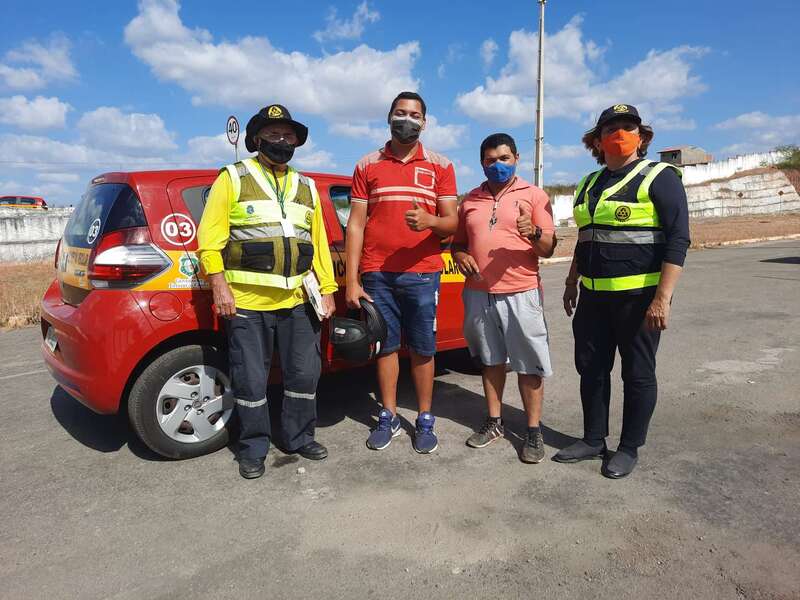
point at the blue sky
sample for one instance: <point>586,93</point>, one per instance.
<point>88,87</point>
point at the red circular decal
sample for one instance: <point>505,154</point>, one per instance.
<point>178,229</point>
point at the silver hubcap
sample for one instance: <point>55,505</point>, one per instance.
<point>194,404</point>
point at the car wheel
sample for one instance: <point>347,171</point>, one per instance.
<point>181,403</point>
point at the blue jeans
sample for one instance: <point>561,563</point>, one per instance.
<point>407,302</point>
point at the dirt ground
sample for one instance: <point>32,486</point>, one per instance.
<point>21,288</point>
<point>712,231</point>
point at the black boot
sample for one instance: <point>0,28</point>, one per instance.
<point>312,451</point>
<point>251,468</point>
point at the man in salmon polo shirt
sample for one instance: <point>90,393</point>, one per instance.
<point>504,226</point>
<point>403,203</point>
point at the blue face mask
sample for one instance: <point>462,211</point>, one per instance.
<point>499,172</point>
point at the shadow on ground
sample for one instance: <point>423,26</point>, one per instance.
<point>784,260</point>
<point>351,394</point>
<point>104,433</point>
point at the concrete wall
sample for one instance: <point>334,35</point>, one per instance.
<point>27,235</point>
<point>726,168</point>
<point>762,191</point>
<point>759,191</point>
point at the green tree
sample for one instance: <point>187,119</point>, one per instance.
<point>791,157</point>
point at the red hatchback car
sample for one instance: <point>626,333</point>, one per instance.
<point>128,323</point>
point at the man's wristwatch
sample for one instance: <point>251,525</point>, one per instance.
<point>537,234</point>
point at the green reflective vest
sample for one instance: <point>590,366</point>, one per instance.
<point>620,246</point>
<point>270,241</point>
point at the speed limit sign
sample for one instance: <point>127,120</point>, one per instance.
<point>232,129</point>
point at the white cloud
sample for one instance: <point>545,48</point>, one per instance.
<point>137,134</point>
<point>211,151</point>
<point>41,64</point>
<point>38,113</point>
<point>562,177</point>
<point>767,129</point>
<point>455,52</point>
<point>361,131</point>
<point>359,84</point>
<point>442,137</point>
<point>40,153</point>
<point>762,131</point>
<point>51,192</point>
<point>488,52</point>
<point>573,87</point>
<point>462,170</point>
<point>347,29</point>
<point>308,156</point>
<point>215,151</point>
<point>58,177</point>
<point>566,151</point>
<point>437,137</point>
<point>673,123</point>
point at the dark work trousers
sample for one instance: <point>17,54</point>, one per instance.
<point>603,323</point>
<point>252,335</point>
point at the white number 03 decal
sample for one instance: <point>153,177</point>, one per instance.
<point>178,229</point>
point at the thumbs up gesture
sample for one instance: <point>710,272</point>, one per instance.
<point>524,225</point>
<point>418,219</point>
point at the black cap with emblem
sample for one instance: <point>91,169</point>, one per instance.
<point>273,113</point>
<point>615,112</point>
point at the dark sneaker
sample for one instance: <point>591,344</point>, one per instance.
<point>313,451</point>
<point>579,451</point>
<point>251,468</point>
<point>425,440</point>
<point>492,430</point>
<point>388,427</point>
<point>533,448</point>
<point>620,465</point>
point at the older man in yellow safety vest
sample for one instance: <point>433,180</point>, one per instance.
<point>262,237</point>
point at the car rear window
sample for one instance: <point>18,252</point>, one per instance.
<point>104,208</point>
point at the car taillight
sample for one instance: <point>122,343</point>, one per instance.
<point>125,258</point>
<point>55,259</point>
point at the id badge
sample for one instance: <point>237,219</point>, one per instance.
<point>288,228</point>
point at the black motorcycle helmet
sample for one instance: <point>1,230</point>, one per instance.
<point>358,340</point>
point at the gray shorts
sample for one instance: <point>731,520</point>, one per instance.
<point>508,326</point>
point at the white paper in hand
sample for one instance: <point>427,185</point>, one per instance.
<point>311,286</point>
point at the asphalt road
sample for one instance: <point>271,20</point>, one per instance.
<point>711,511</point>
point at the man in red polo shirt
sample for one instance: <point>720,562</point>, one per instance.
<point>403,203</point>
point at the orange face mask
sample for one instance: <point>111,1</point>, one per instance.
<point>620,143</point>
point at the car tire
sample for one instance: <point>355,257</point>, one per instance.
<point>174,382</point>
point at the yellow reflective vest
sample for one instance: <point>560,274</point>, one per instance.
<point>620,244</point>
<point>270,227</point>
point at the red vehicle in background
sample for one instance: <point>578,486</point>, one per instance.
<point>128,324</point>
<point>23,202</point>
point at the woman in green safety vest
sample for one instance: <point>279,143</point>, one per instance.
<point>633,233</point>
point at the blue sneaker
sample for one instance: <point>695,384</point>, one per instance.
<point>425,440</point>
<point>388,427</point>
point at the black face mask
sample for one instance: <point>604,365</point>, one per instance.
<point>406,130</point>
<point>278,152</point>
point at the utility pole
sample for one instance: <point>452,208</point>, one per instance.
<point>538,167</point>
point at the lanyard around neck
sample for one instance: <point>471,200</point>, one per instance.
<point>493,218</point>
<point>280,194</point>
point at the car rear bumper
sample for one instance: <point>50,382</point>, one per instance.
<point>99,344</point>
